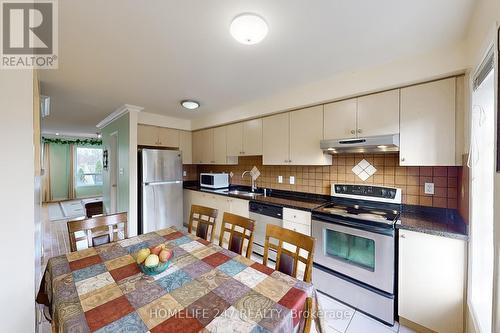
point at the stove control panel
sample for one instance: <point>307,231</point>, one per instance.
<point>366,191</point>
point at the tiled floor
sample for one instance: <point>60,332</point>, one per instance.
<point>340,318</point>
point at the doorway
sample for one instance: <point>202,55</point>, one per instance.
<point>482,164</point>
<point>113,175</point>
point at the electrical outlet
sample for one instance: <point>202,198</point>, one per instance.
<point>429,188</point>
<point>280,179</point>
<point>292,180</point>
<point>184,173</point>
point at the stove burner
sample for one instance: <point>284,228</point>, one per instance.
<point>378,212</point>
<point>371,216</point>
<point>335,210</point>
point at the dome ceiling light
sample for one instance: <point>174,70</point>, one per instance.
<point>248,28</point>
<point>190,104</point>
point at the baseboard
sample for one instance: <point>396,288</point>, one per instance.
<point>414,326</point>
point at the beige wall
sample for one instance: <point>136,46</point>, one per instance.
<point>17,287</point>
<point>163,121</point>
<point>417,68</point>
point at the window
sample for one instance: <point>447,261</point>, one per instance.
<point>482,162</point>
<point>88,166</point>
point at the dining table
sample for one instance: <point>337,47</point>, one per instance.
<point>206,288</point>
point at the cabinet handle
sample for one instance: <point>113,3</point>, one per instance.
<point>402,159</point>
<point>359,130</point>
<point>402,236</point>
<point>353,132</point>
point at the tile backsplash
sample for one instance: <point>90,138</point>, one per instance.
<point>317,179</point>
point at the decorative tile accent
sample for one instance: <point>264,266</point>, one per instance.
<point>364,170</point>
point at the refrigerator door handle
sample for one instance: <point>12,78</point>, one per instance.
<point>162,183</point>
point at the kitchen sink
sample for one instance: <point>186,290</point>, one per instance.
<point>244,193</point>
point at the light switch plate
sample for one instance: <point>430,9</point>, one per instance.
<point>184,173</point>
<point>121,171</point>
<point>280,179</point>
<point>292,180</point>
<point>429,188</point>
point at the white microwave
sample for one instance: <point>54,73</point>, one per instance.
<point>214,180</point>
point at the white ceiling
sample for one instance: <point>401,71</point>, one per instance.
<point>155,53</point>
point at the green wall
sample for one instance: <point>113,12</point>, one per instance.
<point>59,175</point>
<point>121,126</point>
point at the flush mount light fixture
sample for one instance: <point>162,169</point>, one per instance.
<point>99,135</point>
<point>190,104</point>
<point>57,134</point>
<point>248,28</point>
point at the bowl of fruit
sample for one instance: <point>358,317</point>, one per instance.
<point>154,260</point>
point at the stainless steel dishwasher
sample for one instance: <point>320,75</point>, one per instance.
<point>264,214</point>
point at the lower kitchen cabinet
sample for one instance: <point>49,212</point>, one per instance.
<point>432,281</point>
<point>219,202</point>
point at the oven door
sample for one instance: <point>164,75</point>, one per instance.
<point>365,256</point>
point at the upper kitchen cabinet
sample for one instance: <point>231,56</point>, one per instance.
<point>157,136</point>
<point>219,145</point>
<point>340,119</point>
<point>203,146</point>
<point>209,147</point>
<point>306,132</point>
<point>252,137</point>
<point>276,139</point>
<point>428,124</point>
<point>293,138</point>
<point>245,138</point>
<point>378,114</point>
<point>186,146</point>
<point>147,135</point>
<point>234,139</point>
<point>168,137</point>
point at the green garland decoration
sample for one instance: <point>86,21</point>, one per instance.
<point>83,142</point>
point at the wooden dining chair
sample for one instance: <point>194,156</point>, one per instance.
<point>205,218</point>
<point>287,261</point>
<point>93,208</point>
<point>239,229</point>
<point>97,230</point>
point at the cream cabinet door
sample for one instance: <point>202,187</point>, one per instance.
<point>378,114</point>
<point>203,146</point>
<point>340,119</point>
<point>432,281</point>
<point>252,137</point>
<point>186,146</point>
<point>197,147</point>
<point>147,135</point>
<point>238,206</point>
<point>306,132</point>
<point>168,137</point>
<point>208,146</point>
<point>219,149</point>
<point>427,133</point>
<point>276,139</point>
<point>234,139</point>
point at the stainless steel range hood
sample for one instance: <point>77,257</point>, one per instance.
<point>370,144</point>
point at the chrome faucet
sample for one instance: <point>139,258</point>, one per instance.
<point>254,187</point>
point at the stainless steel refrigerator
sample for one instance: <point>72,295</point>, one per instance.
<point>160,189</point>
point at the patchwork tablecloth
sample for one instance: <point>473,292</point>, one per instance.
<point>206,288</point>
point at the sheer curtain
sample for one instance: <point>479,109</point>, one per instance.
<point>46,190</point>
<point>71,173</point>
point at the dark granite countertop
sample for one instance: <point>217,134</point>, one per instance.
<point>434,221</point>
<point>295,200</point>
